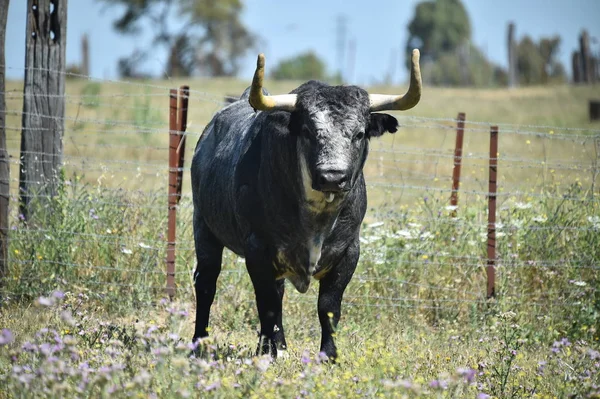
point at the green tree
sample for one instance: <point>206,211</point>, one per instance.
<point>537,62</point>
<point>209,36</point>
<point>438,27</point>
<point>301,67</point>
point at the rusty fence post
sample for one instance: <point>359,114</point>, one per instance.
<point>491,241</point>
<point>460,129</point>
<point>178,113</point>
<point>182,114</point>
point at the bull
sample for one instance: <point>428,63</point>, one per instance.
<point>278,179</point>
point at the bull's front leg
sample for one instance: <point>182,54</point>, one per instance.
<point>331,290</point>
<point>259,263</point>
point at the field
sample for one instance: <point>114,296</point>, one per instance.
<point>83,312</point>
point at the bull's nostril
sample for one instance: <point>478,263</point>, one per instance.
<point>331,180</point>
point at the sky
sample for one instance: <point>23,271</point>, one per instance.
<point>286,28</point>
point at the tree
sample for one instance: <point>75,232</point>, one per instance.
<point>301,67</point>
<point>209,37</point>
<point>438,27</point>
<point>537,62</point>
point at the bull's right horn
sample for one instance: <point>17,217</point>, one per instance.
<point>258,101</point>
<point>385,102</point>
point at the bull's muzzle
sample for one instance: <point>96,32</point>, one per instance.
<point>331,181</point>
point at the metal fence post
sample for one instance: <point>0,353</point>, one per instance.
<point>172,215</point>
<point>491,241</point>
<point>460,128</point>
<point>178,114</point>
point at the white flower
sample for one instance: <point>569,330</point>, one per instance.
<point>595,221</point>
<point>579,283</point>
<point>522,205</point>
<point>415,225</point>
<point>426,235</point>
<point>126,251</point>
<point>143,245</point>
<point>451,207</point>
<point>540,219</point>
<point>376,224</point>
<point>404,234</point>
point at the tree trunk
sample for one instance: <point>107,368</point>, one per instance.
<point>43,103</point>
<point>4,160</point>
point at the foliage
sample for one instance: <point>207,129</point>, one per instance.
<point>442,31</point>
<point>537,63</point>
<point>107,332</point>
<point>438,27</point>
<point>209,37</point>
<point>301,67</point>
<point>469,68</point>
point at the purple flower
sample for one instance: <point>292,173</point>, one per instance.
<point>467,373</point>
<point>58,294</point>
<point>482,395</point>
<point>305,358</point>
<point>213,386</point>
<point>438,384</point>
<point>6,337</point>
<point>45,301</point>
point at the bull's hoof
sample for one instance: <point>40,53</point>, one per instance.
<point>266,346</point>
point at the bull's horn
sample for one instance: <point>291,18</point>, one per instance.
<point>258,101</point>
<point>383,102</point>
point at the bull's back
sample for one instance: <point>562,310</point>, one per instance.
<point>218,152</point>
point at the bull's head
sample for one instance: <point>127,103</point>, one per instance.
<point>335,123</point>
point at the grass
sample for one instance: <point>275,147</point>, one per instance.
<point>83,313</point>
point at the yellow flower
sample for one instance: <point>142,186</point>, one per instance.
<point>425,257</point>
<point>528,142</point>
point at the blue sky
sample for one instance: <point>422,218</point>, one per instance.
<point>286,28</point>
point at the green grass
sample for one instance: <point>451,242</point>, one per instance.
<point>416,321</point>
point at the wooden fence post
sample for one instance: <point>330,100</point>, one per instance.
<point>43,102</point>
<point>460,128</point>
<point>4,160</point>
<point>491,241</point>
<point>177,127</point>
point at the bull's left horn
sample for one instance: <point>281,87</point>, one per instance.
<point>385,102</point>
<point>258,101</point>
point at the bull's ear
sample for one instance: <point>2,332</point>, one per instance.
<point>381,123</point>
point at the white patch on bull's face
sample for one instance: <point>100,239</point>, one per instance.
<point>317,200</point>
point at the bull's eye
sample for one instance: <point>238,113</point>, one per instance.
<point>359,136</point>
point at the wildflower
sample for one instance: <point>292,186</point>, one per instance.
<point>540,219</point>
<point>595,221</point>
<point>438,384</point>
<point>528,142</point>
<point>451,207</point>
<point>45,301</point>
<point>262,363</point>
<point>467,373</point>
<point>578,283</point>
<point>126,251</point>
<point>376,224</point>
<point>145,246</point>
<point>482,395</point>
<point>6,337</point>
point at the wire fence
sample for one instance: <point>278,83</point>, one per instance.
<point>418,252</point>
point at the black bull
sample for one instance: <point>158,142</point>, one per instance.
<point>284,188</point>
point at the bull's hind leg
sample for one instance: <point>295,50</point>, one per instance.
<point>331,290</point>
<point>268,298</point>
<point>208,253</point>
